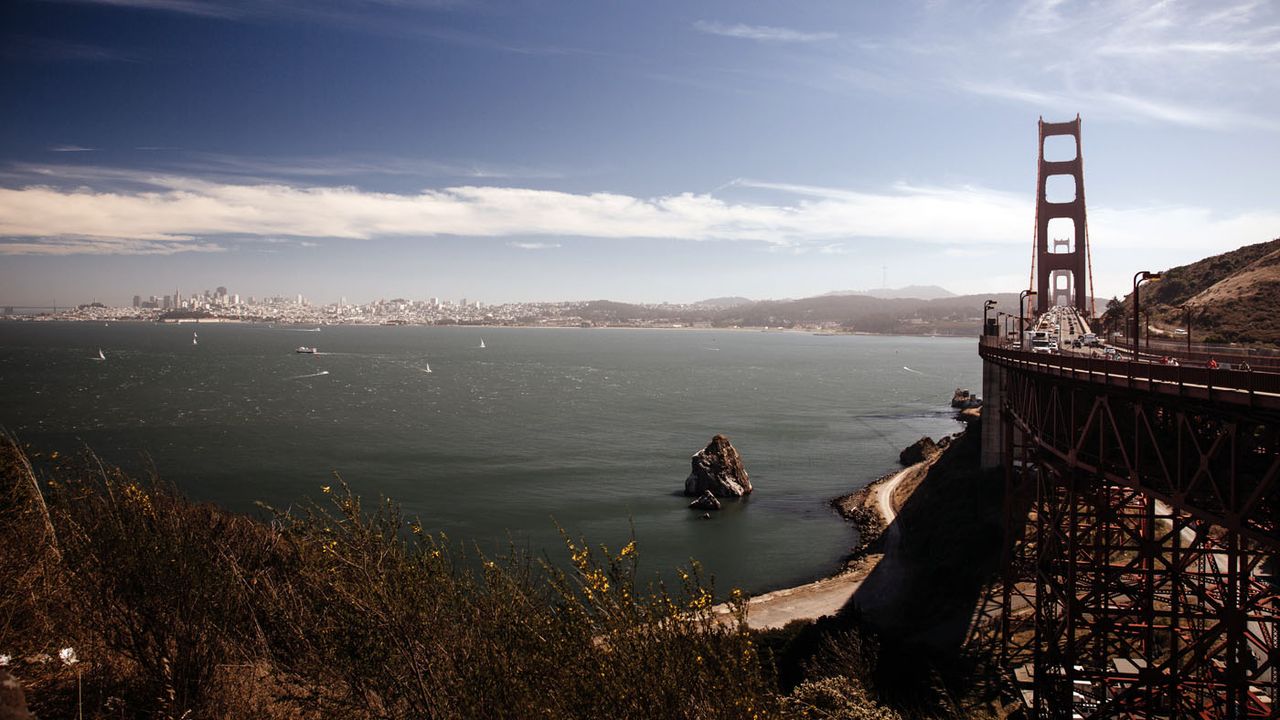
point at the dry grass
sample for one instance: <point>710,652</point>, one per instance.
<point>180,610</point>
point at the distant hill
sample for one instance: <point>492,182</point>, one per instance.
<point>1233,296</point>
<point>918,292</point>
<point>721,303</point>
<point>956,315</point>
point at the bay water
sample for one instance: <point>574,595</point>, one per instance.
<point>589,430</point>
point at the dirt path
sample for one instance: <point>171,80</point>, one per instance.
<point>826,596</point>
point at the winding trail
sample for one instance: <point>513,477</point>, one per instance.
<point>826,596</point>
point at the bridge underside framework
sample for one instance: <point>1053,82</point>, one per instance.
<point>1141,531</point>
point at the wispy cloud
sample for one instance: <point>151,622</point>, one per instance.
<point>764,33</point>
<point>42,49</point>
<point>176,213</point>
<point>1123,105</point>
<point>204,8</point>
<point>1177,63</point>
<point>533,245</point>
<point>1191,63</point>
<point>162,161</point>
<point>102,246</point>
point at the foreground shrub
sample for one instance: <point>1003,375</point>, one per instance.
<point>388,623</point>
<point>179,609</point>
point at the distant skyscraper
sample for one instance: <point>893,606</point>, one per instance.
<point>137,301</point>
<point>168,302</point>
<point>462,302</point>
<point>301,300</point>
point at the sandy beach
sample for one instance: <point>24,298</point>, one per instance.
<point>826,596</point>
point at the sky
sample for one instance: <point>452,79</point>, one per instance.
<point>646,151</point>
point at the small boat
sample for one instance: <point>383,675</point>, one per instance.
<point>482,342</point>
<point>193,339</point>
<point>306,350</point>
<point>427,369</point>
<point>100,355</point>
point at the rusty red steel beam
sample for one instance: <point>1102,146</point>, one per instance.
<point>1099,453</point>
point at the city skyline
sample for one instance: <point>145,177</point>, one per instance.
<point>640,153</point>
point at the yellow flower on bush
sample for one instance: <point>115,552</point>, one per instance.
<point>597,581</point>
<point>628,549</point>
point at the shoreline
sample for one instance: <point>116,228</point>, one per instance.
<point>814,331</point>
<point>870,510</point>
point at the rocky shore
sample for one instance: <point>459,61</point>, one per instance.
<point>863,508</point>
<point>870,510</point>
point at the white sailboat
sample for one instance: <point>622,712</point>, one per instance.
<point>482,343</point>
<point>100,355</point>
<point>427,369</point>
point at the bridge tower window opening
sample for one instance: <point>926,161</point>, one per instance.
<point>1062,236</point>
<point>1059,148</point>
<point>1060,188</point>
<point>1064,290</point>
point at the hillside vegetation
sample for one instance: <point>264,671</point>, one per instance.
<point>176,609</point>
<point>1233,296</point>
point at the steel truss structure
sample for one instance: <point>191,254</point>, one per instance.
<point>1140,532</point>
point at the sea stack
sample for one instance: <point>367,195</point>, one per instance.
<point>717,468</point>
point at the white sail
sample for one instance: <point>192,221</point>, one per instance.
<point>100,355</point>
<point>481,342</point>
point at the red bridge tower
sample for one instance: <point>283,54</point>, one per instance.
<point>1061,264</point>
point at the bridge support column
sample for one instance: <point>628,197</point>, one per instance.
<point>993,425</point>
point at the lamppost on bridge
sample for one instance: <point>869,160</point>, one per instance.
<point>1138,279</point>
<point>1022,316</point>
<point>1186,310</point>
<point>986,306</point>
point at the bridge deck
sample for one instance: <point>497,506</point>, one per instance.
<point>1255,389</point>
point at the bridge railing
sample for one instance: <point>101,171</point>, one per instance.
<point>1201,353</point>
<point>1254,388</point>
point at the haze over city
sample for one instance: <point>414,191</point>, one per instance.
<point>641,152</point>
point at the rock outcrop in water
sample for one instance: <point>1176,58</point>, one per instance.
<point>717,468</point>
<point>705,501</point>
<point>963,399</point>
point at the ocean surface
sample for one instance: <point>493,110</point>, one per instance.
<point>589,430</point>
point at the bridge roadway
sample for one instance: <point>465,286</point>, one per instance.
<point>1051,349</point>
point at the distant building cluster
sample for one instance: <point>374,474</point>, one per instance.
<point>176,301</point>
<point>225,306</point>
